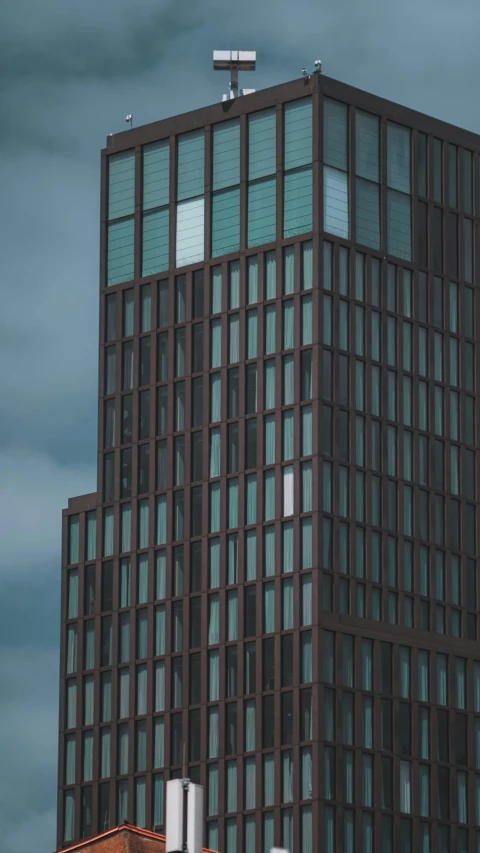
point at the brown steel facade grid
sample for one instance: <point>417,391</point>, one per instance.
<point>304,639</point>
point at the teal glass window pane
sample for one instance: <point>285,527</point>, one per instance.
<point>269,620</point>
<point>231,835</point>
<point>335,134</point>
<point>288,436</point>
<point>307,444</point>
<point>214,507</point>
<point>288,380</point>
<point>268,830</point>
<point>270,275</point>
<point>307,330</point>
<point>269,439</point>
<point>262,212</point>
<point>233,503</point>
<point>252,280</point>
<point>399,229</point>
<point>270,329</point>
<point>226,154</point>
<point>155,241</point>
<point>250,844</point>
<point>121,185</point>
<point>288,269</point>
<point>367,214</point>
<point>287,564</point>
<point>215,397</point>
<point>307,487</point>
<point>329,829</point>
<point>214,560</point>
<point>270,384</point>
<point>190,232</point>
<point>225,222</point>
<point>158,789</point>
<point>269,492</point>
<point>156,174</point>
<point>307,265</point>
<point>74,540</point>
<point>251,555</point>
<point>234,336</point>
<point>120,251</point>
<point>261,144</point>
<point>269,551</point>
<point>216,290</point>
<point>91,536</point>
<point>288,324</point>
<point>366,146</point>
<point>307,552</point>
<point>215,452</point>
<point>251,499</point>
<point>298,133</point>
<point>398,157</point>
<point>234,284</point>
<point>306,827</point>
<point>216,343</point>
<point>252,334</point>
<point>297,204</point>
<point>161,519</point>
<point>335,202</point>
<point>190,165</point>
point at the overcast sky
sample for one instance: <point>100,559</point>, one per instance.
<point>71,70</point>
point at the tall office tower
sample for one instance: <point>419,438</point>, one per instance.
<point>275,586</point>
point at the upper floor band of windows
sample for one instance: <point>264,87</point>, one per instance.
<point>214,191</point>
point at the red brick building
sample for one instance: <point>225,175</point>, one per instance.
<point>122,839</point>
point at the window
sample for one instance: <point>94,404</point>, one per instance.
<point>74,538</point>
<point>297,206</point>
<point>72,594</point>
<point>121,203</point>
<point>252,333</point>
<point>190,198</point>
<point>233,502</point>
<point>261,203</point>
<point>251,499</point>
<point>399,242</point>
<point>226,190</point>
<point>335,178</point>
<point>110,370</point>
<point>197,455</point>
<point>288,379</point>
<point>367,180</point>
<point>234,338</point>
<point>251,388</point>
<point>215,343</point>
<point>270,329</point>
<point>155,217</point>
<point>251,443</point>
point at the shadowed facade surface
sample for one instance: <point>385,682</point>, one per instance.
<point>275,585</point>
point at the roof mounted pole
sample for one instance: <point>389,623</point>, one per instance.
<point>235,61</point>
<point>185,817</point>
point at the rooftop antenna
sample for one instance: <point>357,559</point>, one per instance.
<point>307,75</point>
<point>235,61</point>
<point>129,120</point>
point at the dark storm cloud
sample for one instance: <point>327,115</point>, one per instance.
<point>74,46</point>
<point>28,724</point>
<point>99,49</point>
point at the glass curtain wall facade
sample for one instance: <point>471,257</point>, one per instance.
<point>276,583</point>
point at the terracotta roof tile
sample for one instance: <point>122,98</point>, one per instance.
<point>122,839</point>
